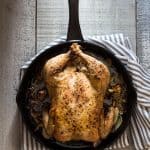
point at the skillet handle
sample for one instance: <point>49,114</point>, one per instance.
<point>74,31</point>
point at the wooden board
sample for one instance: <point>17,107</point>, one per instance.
<point>143,32</point>
<point>17,43</point>
<point>97,17</point>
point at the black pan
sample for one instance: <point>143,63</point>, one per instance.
<point>74,35</point>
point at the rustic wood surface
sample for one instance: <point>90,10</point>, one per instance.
<point>143,33</point>
<point>17,44</point>
<point>96,17</point>
<point>28,25</point>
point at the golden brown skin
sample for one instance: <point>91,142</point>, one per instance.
<point>77,83</point>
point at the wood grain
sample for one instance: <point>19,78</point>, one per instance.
<point>52,19</point>
<point>97,17</point>
<point>143,32</point>
<point>17,44</point>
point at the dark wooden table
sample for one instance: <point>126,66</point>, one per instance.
<point>28,25</point>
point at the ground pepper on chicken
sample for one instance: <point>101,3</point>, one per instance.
<point>39,97</point>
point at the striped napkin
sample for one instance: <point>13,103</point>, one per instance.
<point>138,132</point>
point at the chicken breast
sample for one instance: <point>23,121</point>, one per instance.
<point>77,84</point>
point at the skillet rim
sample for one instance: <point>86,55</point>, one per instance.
<point>65,44</point>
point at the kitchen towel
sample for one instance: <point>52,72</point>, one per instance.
<point>138,132</point>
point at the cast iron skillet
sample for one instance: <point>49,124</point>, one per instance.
<point>74,35</point>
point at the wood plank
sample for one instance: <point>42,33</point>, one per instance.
<point>52,18</point>
<point>17,44</point>
<point>97,17</point>
<point>143,32</point>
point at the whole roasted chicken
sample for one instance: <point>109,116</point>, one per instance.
<point>76,84</point>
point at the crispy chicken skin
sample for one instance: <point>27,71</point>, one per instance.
<point>76,83</point>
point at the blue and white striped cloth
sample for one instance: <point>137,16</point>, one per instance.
<point>138,133</point>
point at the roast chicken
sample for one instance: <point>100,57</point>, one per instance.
<point>76,83</point>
